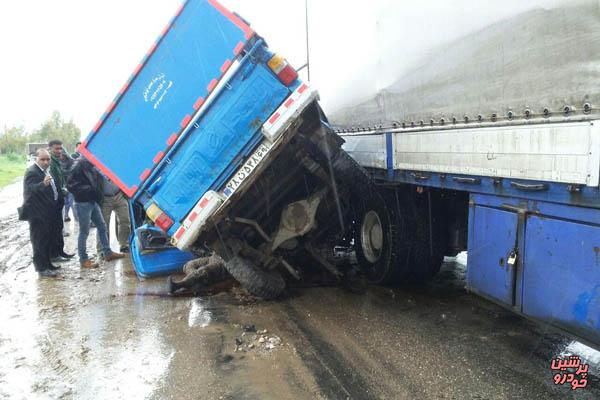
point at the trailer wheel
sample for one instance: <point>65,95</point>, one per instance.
<point>377,234</point>
<point>259,282</point>
<point>428,244</point>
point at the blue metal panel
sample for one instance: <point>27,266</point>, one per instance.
<point>492,237</point>
<point>561,277</point>
<point>158,263</point>
<point>217,143</point>
<point>566,212</point>
<point>185,66</point>
<point>389,149</point>
<point>555,192</point>
<point>235,164</point>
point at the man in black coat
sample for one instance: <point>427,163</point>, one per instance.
<point>40,199</point>
<point>85,182</point>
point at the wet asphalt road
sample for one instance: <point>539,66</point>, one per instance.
<point>104,334</point>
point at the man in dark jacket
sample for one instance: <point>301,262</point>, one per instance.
<point>57,244</point>
<point>76,154</point>
<point>85,182</point>
<point>40,199</point>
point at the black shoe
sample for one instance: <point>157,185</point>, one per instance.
<point>66,255</point>
<point>47,273</point>
<point>59,259</point>
<point>54,267</point>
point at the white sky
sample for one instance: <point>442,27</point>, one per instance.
<point>74,55</point>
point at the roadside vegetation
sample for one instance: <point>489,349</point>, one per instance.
<point>11,166</point>
<point>14,140</point>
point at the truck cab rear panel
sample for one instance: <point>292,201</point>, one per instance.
<point>219,139</point>
<point>224,195</point>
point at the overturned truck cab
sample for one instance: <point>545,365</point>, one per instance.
<point>222,148</point>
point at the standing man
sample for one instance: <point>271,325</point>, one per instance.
<point>66,164</point>
<point>40,200</point>
<point>85,183</point>
<point>57,245</point>
<point>76,154</point>
<point>114,200</point>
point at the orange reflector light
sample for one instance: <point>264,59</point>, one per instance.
<point>153,212</point>
<point>277,63</point>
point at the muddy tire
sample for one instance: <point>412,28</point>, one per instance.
<point>172,287</point>
<point>174,283</point>
<point>348,172</point>
<point>379,240</point>
<point>428,244</point>
<point>257,281</point>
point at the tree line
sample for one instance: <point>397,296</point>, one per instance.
<point>13,139</point>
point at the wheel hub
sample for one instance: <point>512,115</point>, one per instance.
<point>371,234</point>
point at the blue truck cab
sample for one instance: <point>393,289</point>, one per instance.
<point>221,147</point>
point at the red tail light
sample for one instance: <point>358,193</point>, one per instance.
<point>288,75</point>
<point>164,222</point>
<point>159,218</point>
<point>284,71</point>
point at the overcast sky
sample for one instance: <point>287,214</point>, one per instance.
<point>74,55</point>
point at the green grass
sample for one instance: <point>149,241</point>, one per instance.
<point>11,167</point>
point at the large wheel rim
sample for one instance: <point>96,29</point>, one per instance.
<point>371,234</point>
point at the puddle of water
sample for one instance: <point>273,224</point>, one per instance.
<point>21,332</point>
<point>69,337</point>
<point>127,370</point>
<point>199,316</point>
<point>10,198</point>
<point>591,356</point>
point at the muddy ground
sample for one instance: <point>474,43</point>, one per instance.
<point>104,334</point>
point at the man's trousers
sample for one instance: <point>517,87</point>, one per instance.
<point>41,239</point>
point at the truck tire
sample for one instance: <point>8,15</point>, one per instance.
<point>428,244</point>
<point>348,172</point>
<point>379,240</point>
<point>257,281</point>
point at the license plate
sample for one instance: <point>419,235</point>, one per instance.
<point>246,170</point>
